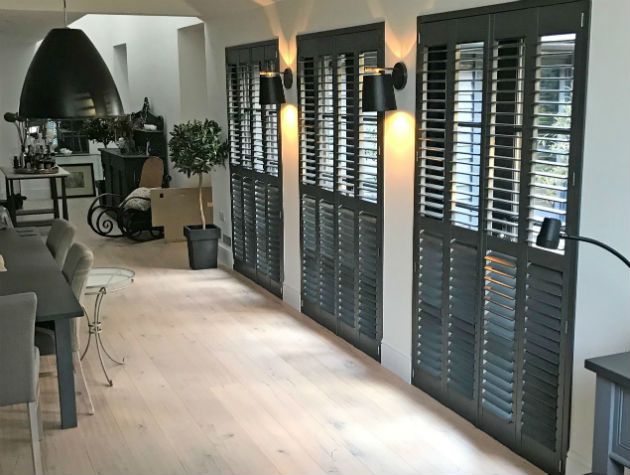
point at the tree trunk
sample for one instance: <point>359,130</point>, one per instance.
<point>201,211</point>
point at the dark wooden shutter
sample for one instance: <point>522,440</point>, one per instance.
<point>450,143</point>
<point>500,119</point>
<point>340,184</point>
<point>254,137</point>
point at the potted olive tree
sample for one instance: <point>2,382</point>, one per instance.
<point>196,148</point>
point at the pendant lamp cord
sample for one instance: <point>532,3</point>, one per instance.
<point>65,14</point>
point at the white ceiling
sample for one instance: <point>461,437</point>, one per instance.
<point>30,26</point>
<point>214,8</point>
<point>118,7</point>
<point>29,20</point>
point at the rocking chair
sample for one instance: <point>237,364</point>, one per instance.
<point>112,216</point>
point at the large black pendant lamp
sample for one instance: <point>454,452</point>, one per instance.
<point>68,79</point>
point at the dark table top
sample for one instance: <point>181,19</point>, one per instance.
<point>615,368</point>
<point>32,268</point>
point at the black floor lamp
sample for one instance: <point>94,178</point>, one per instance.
<point>550,235</point>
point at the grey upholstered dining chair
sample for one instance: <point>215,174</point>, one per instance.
<point>76,269</point>
<point>19,363</point>
<point>60,239</point>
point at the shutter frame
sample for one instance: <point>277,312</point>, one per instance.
<point>535,344</point>
<point>346,189</point>
<point>256,128</point>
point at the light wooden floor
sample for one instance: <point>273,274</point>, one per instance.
<point>221,377</point>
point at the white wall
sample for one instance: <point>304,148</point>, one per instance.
<point>193,83</point>
<point>603,305</point>
<point>15,58</point>
<point>152,62</point>
<point>285,20</point>
<point>603,302</point>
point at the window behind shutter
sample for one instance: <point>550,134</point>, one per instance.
<point>500,118</point>
<point>340,184</point>
<point>254,139</point>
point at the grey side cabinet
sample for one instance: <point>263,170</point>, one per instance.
<point>611,438</point>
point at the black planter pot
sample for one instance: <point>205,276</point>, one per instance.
<point>203,246</point>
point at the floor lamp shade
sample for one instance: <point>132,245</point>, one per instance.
<point>68,79</point>
<point>549,235</point>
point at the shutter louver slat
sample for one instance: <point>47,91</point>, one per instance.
<point>551,147</point>
<point>346,260</point>
<point>506,139</point>
<point>346,153</point>
<point>499,335</point>
<point>430,278</point>
<point>274,234</point>
<point>262,262</point>
<point>368,313</point>
<point>249,219</point>
<point>270,129</point>
<point>244,106</point>
<point>310,250</point>
<point>463,295</point>
<point>234,121</point>
<point>258,146</point>
<point>327,257</point>
<point>368,137</point>
<point>325,124</point>
<point>467,121</point>
<point>308,122</point>
<point>238,220</point>
<point>542,353</point>
<point>432,133</point>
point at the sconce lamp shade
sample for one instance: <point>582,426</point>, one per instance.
<point>271,90</point>
<point>68,79</point>
<point>378,93</point>
<point>549,235</point>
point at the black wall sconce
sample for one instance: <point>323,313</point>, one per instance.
<point>378,87</point>
<point>271,86</point>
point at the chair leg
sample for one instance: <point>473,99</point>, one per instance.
<point>40,421</point>
<point>34,422</point>
<point>80,381</point>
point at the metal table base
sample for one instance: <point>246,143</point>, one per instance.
<point>95,327</point>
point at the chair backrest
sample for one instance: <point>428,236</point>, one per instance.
<point>152,173</point>
<point>60,239</point>
<point>76,270</point>
<point>5,218</point>
<point>77,267</point>
<point>18,357</point>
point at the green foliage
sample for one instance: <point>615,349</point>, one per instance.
<point>99,130</point>
<point>108,129</point>
<point>197,147</point>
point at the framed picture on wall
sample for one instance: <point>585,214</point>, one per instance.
<point>80,183</point>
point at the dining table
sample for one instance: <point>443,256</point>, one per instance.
<point>30,267</point>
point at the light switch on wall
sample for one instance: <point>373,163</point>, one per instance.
<point>222,216</point>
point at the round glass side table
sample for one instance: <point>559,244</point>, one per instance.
<point>100,282</point>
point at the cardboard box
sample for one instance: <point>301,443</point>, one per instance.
<point>175,208</point>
